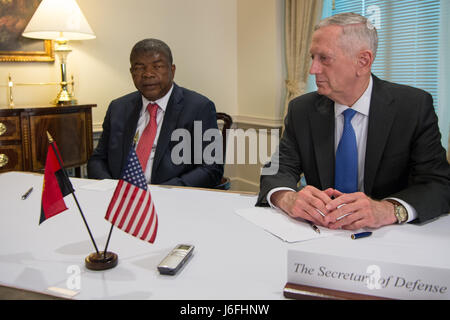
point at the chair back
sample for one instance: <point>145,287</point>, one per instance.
<point>227,122</point>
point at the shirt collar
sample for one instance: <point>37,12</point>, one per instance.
<point>362,105</point>
<point>162,102</point>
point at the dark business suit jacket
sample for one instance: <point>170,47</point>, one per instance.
<point>119,127</point>
<point>404,155</point>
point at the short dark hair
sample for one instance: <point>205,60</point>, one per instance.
<point>151,45</point>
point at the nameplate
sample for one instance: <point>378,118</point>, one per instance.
<point>369,277</point>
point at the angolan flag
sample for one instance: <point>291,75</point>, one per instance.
<point>56,185</point>
<point>131,208</point>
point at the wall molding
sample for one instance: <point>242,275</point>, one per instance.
<point>244,119</point>
<point>240,184</point>
<point>97,127</point>
<point>259,121</point>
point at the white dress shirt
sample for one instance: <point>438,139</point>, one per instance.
<point>360,123</point>
<point>144,119</point>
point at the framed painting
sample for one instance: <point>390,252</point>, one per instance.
<point>14,17</point>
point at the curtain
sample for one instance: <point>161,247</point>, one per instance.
<point>300,18</point>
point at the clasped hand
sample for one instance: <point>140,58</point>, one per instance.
<point>335,210</point>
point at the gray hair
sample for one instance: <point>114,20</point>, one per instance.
<point>355,27</point>
<point>151,45</point>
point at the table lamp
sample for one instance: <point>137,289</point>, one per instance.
<point>59,20</point>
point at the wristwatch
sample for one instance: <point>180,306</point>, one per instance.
<point>400,211</point>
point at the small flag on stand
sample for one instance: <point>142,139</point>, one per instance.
<point>55,187</point>
<point>131,208</point>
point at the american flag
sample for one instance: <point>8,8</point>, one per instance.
<point>131,208</point>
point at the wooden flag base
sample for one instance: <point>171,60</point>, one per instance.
<point>99,261</point>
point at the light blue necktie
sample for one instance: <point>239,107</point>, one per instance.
<point>346,167</point>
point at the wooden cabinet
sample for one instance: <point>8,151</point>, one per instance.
<point>24,143</point>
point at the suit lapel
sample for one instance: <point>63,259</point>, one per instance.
<point>173,110</point>
<point>381,118</point>
<point>322,128</point>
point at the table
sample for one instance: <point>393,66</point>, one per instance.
<point>36,257</point>
<point>233,258</point>
<point>23,139</point>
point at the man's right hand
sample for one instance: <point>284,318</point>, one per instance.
<point>308,203</point>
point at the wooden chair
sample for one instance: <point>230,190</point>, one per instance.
<point>225,183</point>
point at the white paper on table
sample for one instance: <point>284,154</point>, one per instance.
<point>284,227</point>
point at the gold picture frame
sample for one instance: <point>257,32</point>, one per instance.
<point>14,17</point>
<point>46,55</point>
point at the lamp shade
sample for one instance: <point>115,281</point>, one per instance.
<point>58,19</point>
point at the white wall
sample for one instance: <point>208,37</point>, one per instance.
<point>201,33</point>
<point>229,50</point>
<point>261,68</point>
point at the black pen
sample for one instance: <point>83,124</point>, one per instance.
<point>316,229</point>
<point>27,193</point>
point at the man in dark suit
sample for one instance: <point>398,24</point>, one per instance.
<point>402,171</point>
<point>127,117</point>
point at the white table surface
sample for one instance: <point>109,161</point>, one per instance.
<point>233,258</point>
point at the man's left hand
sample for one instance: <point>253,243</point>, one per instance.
<point>352,211</point>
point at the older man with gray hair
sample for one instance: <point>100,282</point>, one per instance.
<point>369,149</point>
